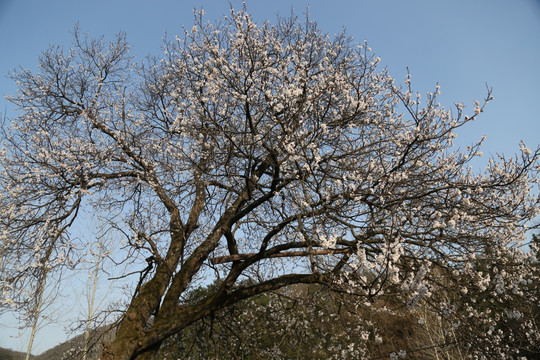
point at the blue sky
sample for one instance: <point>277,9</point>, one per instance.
<point>461,44</point>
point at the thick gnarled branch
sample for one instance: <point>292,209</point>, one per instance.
<point>299,253</point>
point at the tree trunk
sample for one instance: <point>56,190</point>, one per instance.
<point>35,321</point>
<point>131,330</point>
<point>149,354</point>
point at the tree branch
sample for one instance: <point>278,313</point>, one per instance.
<point>240,257</point>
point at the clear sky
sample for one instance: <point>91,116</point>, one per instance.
<point>461,44</point>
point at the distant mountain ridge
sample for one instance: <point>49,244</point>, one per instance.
<point>8,354</point>
<point>55,353</point>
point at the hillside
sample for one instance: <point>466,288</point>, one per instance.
<point>58,352</point>
<point>7,354</point>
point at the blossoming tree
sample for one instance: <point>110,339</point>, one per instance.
<point>258,156</point>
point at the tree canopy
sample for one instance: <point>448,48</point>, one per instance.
<point>260,156</point>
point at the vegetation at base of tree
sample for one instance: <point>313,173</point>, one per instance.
<point>273,326</point>
<point>314,322</point>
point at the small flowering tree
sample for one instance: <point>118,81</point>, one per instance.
<point>272,153</point>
